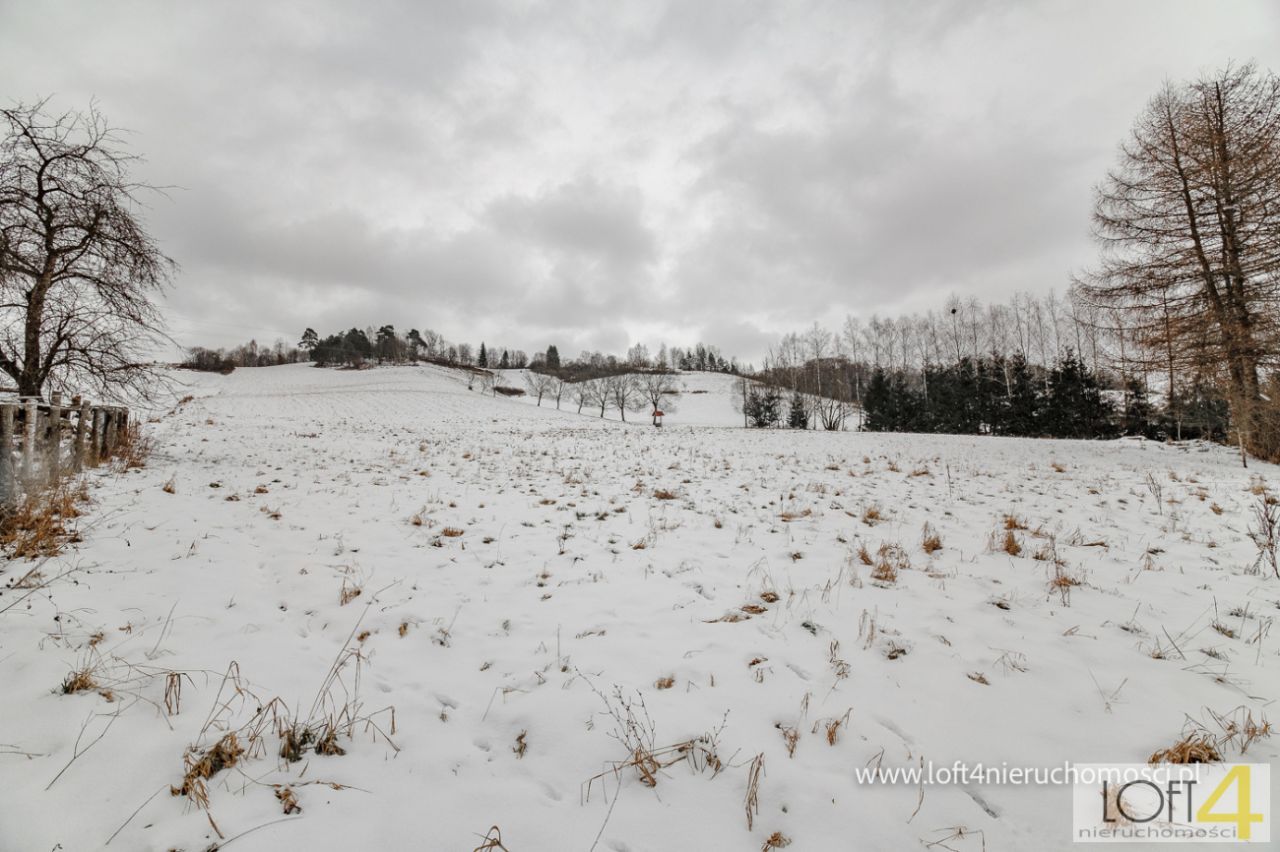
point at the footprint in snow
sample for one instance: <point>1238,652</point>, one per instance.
<point>800,673</point>
<point>893,726</point>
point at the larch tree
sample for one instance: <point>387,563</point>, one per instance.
<point>1189,226</point>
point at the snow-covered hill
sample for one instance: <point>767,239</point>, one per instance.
<point>531,589</point>
<point>705,399</point>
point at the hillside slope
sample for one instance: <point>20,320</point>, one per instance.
<point>536,592</point>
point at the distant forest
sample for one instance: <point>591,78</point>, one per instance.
<point>357,348</point>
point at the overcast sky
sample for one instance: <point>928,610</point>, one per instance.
<point>593,174</point>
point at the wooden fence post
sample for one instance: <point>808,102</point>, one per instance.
<point>30,415</point>
<point>55,437</point>
<point>8,482</point>
<point>82,433</point>
<point>95,436</point>
<point>109,415</point>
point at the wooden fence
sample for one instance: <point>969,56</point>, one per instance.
<point>43,441</point>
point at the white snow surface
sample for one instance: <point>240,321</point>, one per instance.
<point>571,579</point>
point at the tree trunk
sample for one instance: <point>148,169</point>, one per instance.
<point>31,379</point>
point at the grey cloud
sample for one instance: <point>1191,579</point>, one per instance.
<point>583,217</point>
<point>593,174</point>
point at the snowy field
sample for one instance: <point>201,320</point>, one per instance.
<point>536,593</point>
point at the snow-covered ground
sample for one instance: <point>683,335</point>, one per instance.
<point>525,576</point>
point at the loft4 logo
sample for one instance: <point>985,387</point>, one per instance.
<point>1194,803</point>
<point>1243,818</point>
<point>1116,808</point>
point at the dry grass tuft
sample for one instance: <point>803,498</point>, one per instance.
<point>754,774</point>
<point>492,841</point>
<point>664,494</point>
<point>790,737</point>
<point>1013,522</point>
<point>201,766</point>
<point>884,572</point>
<point>871,515</point>
<point>451,532</point>
<point>1208,742</point>
<point>634,730</point>
<point>173,692</point>
<point>348,593</point>
<point>838,665</point>
<point>777,840</point>
<point>336,712</point>
<point>890,559</point>
<point>831,727</point>
<point>665,682</point>
<point>1011,545</point>
<point>80,680</point>
<point>522,744</point>
<point>39,526</point>
<point>288,800</point>
<point>1062,581</point>
<point>133,448</point>
<point>1197,748</point>
<point>930,541</point>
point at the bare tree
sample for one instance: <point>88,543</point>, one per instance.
<point>623,391</point>
<point>78,271</point>
<point>433,343</point>
<point>638,355</point>
<point>539,384</point>
<point>656,386</point>
<point>596,393</point>
<point>582,394</point>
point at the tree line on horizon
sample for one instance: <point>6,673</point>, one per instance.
<point>1036,367</point>
<point>358,347</point>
